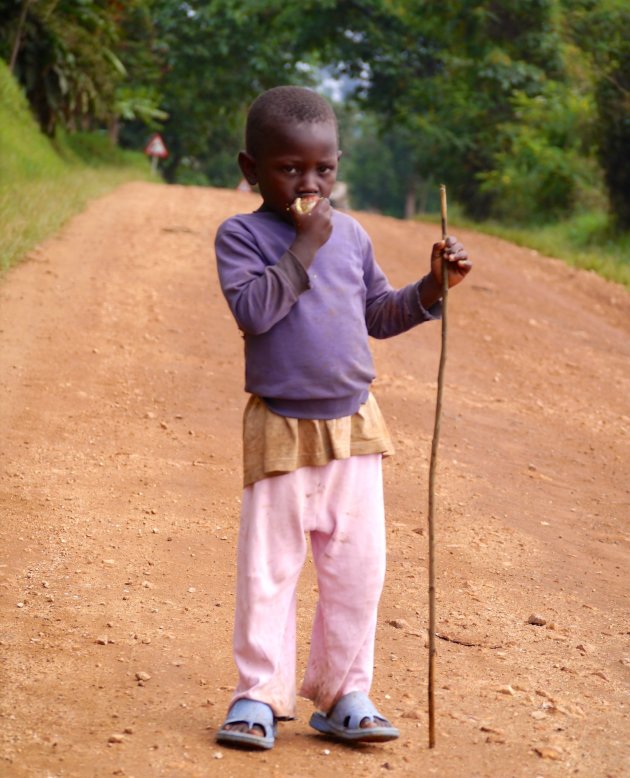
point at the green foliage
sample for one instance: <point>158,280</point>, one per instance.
<point>139,103</point>
<point>95,150</point>
<point>496,99</point>
<point>66,59</point>
<point>370,171</point>
<point>375,165</point>
<point>441,74</point>
<point>543,169</point>
<point>216,56</point>
<point>519,106</point>
<point>602,30</point>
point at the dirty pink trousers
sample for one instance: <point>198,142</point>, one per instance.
<point>341,506</point>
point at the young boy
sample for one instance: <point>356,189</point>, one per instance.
<point>301,281</point>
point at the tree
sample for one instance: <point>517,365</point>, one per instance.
<point>441,74</point>
<point>544,167</point>
<point>64,58</point>
<point>602,30</point>
<point>216,56</point>
<point>496,98</point>
<point>63,53</point>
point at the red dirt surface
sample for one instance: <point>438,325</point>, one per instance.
<point>121,382</point>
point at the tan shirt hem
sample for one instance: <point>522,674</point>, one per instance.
<point>274,444</point>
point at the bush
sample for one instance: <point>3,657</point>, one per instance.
<point>543,170</point>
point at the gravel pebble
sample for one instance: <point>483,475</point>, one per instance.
<point>545,752</point>
<point>398,623</point>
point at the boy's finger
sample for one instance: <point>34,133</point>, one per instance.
<point>455,255</point>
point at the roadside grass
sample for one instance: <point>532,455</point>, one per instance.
<point>587,241</point>
<point>44,182</point>
<point>32,210</point>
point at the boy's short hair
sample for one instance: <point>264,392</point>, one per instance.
<point>284,104</point>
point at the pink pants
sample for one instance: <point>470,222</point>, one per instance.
<point>341,505</point>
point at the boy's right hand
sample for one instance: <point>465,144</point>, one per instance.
<point>313,227</point>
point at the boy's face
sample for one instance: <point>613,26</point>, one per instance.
<point>297,159</point>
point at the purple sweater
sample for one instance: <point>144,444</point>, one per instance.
<point>306,332</point>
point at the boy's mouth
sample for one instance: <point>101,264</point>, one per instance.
<point>305,203</point>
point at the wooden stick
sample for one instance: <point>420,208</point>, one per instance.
<point>432,469</point>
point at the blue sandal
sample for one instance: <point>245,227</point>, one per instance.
<point>344,721</point>
<point>253,713</point>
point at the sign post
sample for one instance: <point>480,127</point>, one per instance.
<point>156,149</point>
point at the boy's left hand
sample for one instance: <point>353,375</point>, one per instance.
<point>457,261</point>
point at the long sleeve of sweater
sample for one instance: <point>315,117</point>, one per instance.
<point>389,311</point>
<point>258,294</point>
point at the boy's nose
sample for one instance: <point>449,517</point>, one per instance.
<point>308,182</point>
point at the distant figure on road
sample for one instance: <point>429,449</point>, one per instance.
<point>339,196</point>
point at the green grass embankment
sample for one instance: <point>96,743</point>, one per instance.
<point>44,182</point>
<point>587,241</point>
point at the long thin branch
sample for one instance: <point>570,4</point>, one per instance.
<point>432,473</point>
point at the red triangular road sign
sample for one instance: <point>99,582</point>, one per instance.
<point>156,147</point>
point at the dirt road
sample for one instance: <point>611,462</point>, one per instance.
<point>121,398</point>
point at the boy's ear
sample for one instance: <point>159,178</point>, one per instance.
<point>247,165</point>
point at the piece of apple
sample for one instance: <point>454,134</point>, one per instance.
<point>306,204</point>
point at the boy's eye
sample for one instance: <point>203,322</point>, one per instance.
<point>290,169</point>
